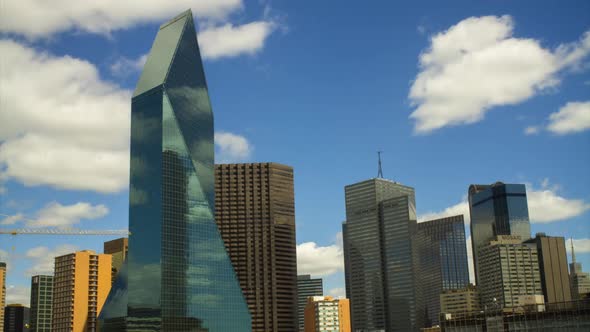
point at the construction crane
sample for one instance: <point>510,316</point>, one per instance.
<point>61,231</point>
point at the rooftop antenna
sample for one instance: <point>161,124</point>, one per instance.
<point>380,171</point>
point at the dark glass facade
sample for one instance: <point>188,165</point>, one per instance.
<point>41,303</point>
<point>16,317</point>
<point>378,255</point>
<point>442,256</point>
<point>497,209</point>
<point>306,287</point>
<point>178,275</point>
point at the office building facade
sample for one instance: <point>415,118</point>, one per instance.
<point>579,280</point>
<point>255,213</point>
<point>497,209</point>
<point>510,273</point>
<point>552,256</point>
<point>41,303</point>
<point>118,249</point>
<point>16,318</point>
<point>2,293</point>
<point>178,275</point>
<point>81,283</point>
<point>459,302</point>
<point>324,313</point>
<point>306,287</point>
<point>378,256</point>
<point>442,257</point>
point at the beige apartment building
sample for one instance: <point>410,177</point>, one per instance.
<point>82,282</point>
<point>459,302</point>
<point>2,293</point>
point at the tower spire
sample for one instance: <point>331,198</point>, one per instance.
<point>573,253</point>
<point>379,171</point>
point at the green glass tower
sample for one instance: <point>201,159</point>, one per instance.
<point>178,275</point>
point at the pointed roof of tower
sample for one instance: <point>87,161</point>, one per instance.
<point>162,53</point>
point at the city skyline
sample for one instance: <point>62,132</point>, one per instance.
<point>264,83</point>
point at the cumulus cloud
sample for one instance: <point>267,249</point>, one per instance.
<point>124,66</point>
<point>231,147</point>
<point>57,215</point>
<point>69,131</point>
<point>319,261</point>
<point>478,64</point>
<point>337,292</point>
<point>571,118</point>
<point>35,19</point>
<point>545,205</point>
<point>229,40</point>
<point>532,130</point>
<point>11,220</point>
<point>580,246</point>
<point>42,258</point>
<point>18,295</point>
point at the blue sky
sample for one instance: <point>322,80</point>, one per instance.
<point>455,93</point>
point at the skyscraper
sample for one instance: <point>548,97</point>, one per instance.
<point>509,273</point>
<point>497,209</point>
<point>118,250</point>
<point>306,287</point>
<point>442,256</point>
<point>16,318</point>
<point>324,313</point>
<point>41,303</point>
<point>378,256</point>
<point>552,257</point>
<point>82,282</point>
<point>2,293</point>
<point>178,275</point>
<point>255,212</point>
<point>579,280</point>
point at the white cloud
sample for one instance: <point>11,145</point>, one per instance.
<point>477,64</point>
<point>337,292</point>
<point>231,147</point>
<point>229,40</point>
<point>69,131</point>
<point>532,130</point>
<point>36,19</point>
<point>125,66</point>
<point>42,258</point>
<point>11,220</point>
<point>319,261</point>
<point>470,260</point>
<point>545,205</point>
<point>18,294</point>
<point>571,118</point>
<point>580,246</point>
<point>57,215</point>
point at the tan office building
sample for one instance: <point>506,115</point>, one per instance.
<point>255,213</point>
<point>2,293</point>
<point>459,302</point>
<point>82,282</point>
<point>118,250</point>
<point>509,269</point>
<point>324,313</point>
<point>553,268</point>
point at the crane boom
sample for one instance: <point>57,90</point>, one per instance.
<point>69,231</point>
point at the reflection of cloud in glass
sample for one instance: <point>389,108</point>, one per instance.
<point>143,127</point>
<point>137,196</point>
<point>139,166</point>
<point>207,300</point>
<point>149,277</point>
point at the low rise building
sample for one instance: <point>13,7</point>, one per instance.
<point>324,313</point>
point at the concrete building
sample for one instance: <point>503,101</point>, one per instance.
<point>2,293</point>
<point>306,287</point>
<point>497,209</point>
<point>16,318</point>
<point>579,280</point>
<point>324,313</point>
<point>255,214</point>
<point>509,269</point>
<point>82,282</point>
<point>442,256</point>
<point>552,256</point>
<point>41,303</point>
<point>459,302</point>
<point>118,250</point>
<point>178,276</point>
<point>379,259</point>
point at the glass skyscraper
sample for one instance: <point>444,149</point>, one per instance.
<point>178,275</point>
<point>378,256</point>
<point>442,256</point>
<point>497,209</point>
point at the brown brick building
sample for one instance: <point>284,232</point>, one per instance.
<point>255,212</point>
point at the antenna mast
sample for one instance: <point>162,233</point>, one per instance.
<point>380,171</point>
